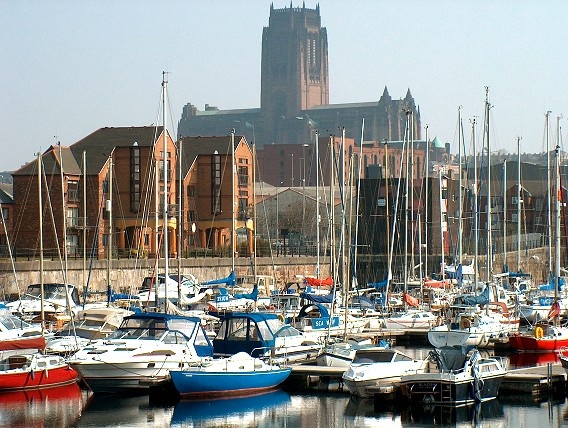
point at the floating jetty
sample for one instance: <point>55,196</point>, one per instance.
<point>539,382</point>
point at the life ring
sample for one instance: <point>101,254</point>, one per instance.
<point>538,332</point>
<point>465,323</point>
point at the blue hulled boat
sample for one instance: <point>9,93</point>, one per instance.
<point>239,374</point>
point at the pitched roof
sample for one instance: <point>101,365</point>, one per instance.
<point>192,147</point>
<point>100,144</point>
<point>6,193</point>
<point>52,162</point>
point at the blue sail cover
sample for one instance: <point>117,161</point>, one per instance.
<point>550,286</point>
<point>317,298</point>
<point>230,280</point>
<point>253,295</point>
<point>379,285</point>
<point>480,299</point>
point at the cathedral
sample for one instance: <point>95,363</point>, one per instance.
<point>294,98</point>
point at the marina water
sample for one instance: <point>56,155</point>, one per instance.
<point>73,407</point>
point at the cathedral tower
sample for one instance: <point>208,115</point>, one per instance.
<point>294,70</point>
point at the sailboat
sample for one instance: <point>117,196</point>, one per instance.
<point>23,364</point>
<point>548,336</point>
<point>146,345</point>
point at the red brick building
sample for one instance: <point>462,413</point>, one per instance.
<point>122,169</point>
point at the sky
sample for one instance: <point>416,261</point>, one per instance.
<point>70,67</point>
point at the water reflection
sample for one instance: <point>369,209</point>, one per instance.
<point>250,411</point>
<point>60,406</point>
<point>533,359</point>
<point>131,411</point>
<point>313,410</point>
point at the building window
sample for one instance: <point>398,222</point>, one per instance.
<point>135,190</point>
<point>168,166</point>
<point>538,204</point>
<point>192,216</point>
<point>191,191</point>
<point>73,217</point>
<point>538,220</point>
<point>243,175</point>
<point>514,218</point>
<point>5,214</point>
<point>215,184</point>
<point>72,244</point>
<point>72,191</point>
<point>243,205</point>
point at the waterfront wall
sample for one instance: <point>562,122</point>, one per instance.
<point>125,274</point>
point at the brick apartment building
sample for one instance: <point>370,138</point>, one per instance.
<point>120,169</point>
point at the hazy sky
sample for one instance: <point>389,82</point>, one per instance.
<point>70,67</point>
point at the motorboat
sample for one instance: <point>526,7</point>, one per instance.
<point>341,353</point>
<point>411,319</point>
<point>58,299</point>
<point>378,367</point>
<point>239,374</point>
<point>91,324</point>
<point>265,335</point>
<point>34,370</point>
<point>453,378</point>
<point>142,351</point>
<point>161,287</point>
<point>16,333</point>
<point>469,327</point>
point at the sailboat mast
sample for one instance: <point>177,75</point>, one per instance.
<point>440,196</point>
<point>489,202</point>
<point>40,202</point>
<point>557,225</point>
<point>504,211</point>
<point>475,208</point>
<point>317,209</point>
<point>426,199</point>
<point>84,220</point>
<point>166,193</point>
<point>518,204</point>
<point>406,204</point>
<point>549,184</point>
<point>109,211</point>
<point>360,165</point>
<point>179,220</point>
<point>460,195</point>
<point>233,223</point>
<point>387,218</point>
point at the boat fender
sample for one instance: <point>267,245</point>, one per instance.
<point>538,332</point>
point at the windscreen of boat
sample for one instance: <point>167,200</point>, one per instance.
<point>287,331</point>
<point>369,357</point>
<point>150,328</point>
<point>14,323</point>
<point>50,291</point>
